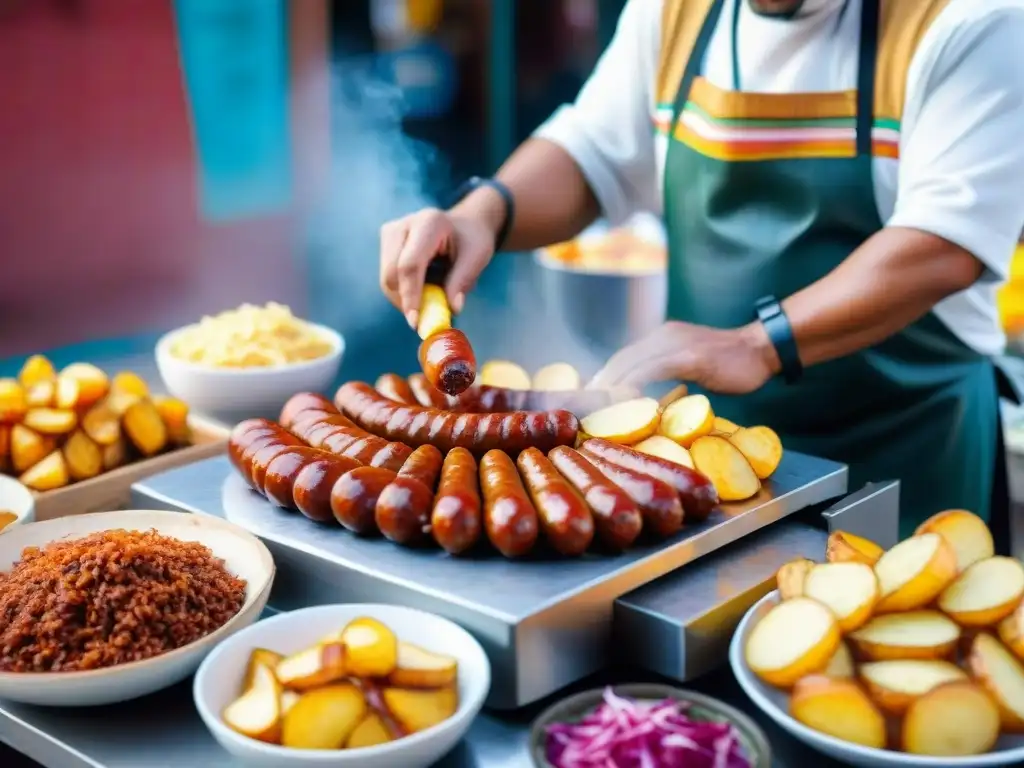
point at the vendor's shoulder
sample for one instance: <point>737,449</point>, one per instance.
<point>977,16</point>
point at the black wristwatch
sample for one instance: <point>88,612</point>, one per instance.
<point>769,311</point>
<point>475,183</point>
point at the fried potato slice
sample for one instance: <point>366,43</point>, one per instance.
<point>838,708</point>
<point>419,668</point>
<point>13,404</point>
<point>36,369</point>
<point>324,718</point>
<point>955,719</point>
<point>371,732</point>
<point>83,457</point>
<point>321,664</point>
<point>93,383</point>
<point>792,576</point>
<point>144,427</point>
<point>663,448</point>
<point>910,635</point>
<point>687,419</point>
<point>1011,632</point>
<point>985,593</point>
<point>724,427</point>
<point>794,639</point>
<point>259,657</point>
<point>895,685</point>
<point>416,711</point>
<point>1002,677</point>
<point>728,469</point>
<point>965,532</point>
<point>257,712</point>
<point>129,383</point>
<point>914,572</point>
<point>761,447</point>
<point>50,421</point>
<point>503,373</point>
<point>841,664</point>
<point>48,475</point>
<point>624,423</point>
<point>843,547</point>
<point>174,412</point>
<point>28,447</point>
<point>849,590</point>
<point>371,649</point>
<point>557,377</point>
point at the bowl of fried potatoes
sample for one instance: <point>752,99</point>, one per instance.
<point>374,686</point>
<point>248,361</point>
<point>912,656</point>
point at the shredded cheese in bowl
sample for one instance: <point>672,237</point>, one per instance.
<point>251,337</point>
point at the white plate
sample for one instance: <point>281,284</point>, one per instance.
<point>775,703</point>
<point>16,498</point>
<point>219,678</point>
<point>244,555</point>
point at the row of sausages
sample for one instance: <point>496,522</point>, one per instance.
<point>322,463</point>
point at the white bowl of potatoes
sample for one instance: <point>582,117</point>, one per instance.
<point>248,361</point>
<point>344,685</point>
<point>908,657</point>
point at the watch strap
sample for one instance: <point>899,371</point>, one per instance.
<point>769,311</point>
<point>476,182</point>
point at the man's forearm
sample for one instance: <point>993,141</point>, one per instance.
<point>892,280</point>
<point>553,200</point>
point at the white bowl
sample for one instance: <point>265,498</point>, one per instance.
<point>775,703</point>
<point>16,498</point>
<point>241,392</point>
<point>220,676</point>
<point>244,555</point>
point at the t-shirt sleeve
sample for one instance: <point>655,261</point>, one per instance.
<point>961,172</point>
<point>608,129</point>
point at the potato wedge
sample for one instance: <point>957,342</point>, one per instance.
<point>624,423</point>
<point>557,377</point>
<point>313,667</point>
<point>1002,677</point>
<point>257,712</point>
<point>761,447</point>
<point>676,393</point>
<point>790,578</point>
<point>115,455</point>
<point>48,475</point>
<point>420,668</point>
<point>42,394</point>
<point>843,547</point>
<point>129,383</point>
<point>687,419</point>
<point>28,448</point>
<point>371,649</point>
<point>416,711</point>
<point>849,590</point>
<point>50,421</point>
<point>965,532</point>
<point>894,685</point>
<point>914,572</point>
<point>1011,632</point>
<point>288,700</point>
<point>83,457</point>
<point>955,719</point>
<point>841,664</point>
<point>68,393</point>
<point>838,708</point>
<point>35,369</point>
<point>724,427</point>
<point>102,425</point>
<point>910,635</point>
<point>663,448</point>
<point>794,639</point>
<point>12,401</point>
<point>985,593</point>
<point>324,718</point>
<point>174,412</point>
<point>502,373</point>
<point>435,314</point>
<point>93,383</point>
<point>725,467</point>
<point>144,427</point>
<point>258,657</point>
<point>371,732</point>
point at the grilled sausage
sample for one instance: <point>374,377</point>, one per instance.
<point>403,508</point>
<point>455,520</point>
<point>423,393</point>
<point>257,438</point>
<point>696,492</point>
<point>311,491</point>
<point>301,403</point>
<point>478,433</point>
<point>354,497</point>
<point>282,471</point>
<point>448,361</point>
<point>394,387</point>
<point>617,518</point>
<point>261,459</point>
<point>510,518</point>
<point>241,435</point>
<point>564,517</point>
<point>658,502</point>
<point>335,433</point>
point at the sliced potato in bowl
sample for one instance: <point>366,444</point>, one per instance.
<point>841,664</point>
<point>1002,676</point>
<point>895,685</point>
<point>914,572</point>
<point>849,590</point>
<point>843,547</point>
<point>911,635</point>
<point>794,639</point>
<point>838,708</point>
<point>1011,632</point>
<point>952,720</point>
<point>985,593</point>
<point>965,532</point>
<point>791,577</point>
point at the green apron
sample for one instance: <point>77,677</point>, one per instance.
<point>921,406</point>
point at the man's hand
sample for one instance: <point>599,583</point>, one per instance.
<point>733,361</point>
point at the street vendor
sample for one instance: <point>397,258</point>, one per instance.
<point>842,184</point>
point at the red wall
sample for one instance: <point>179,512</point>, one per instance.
<point>99,226</point>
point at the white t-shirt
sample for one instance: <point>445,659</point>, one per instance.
<point>960,173</point>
